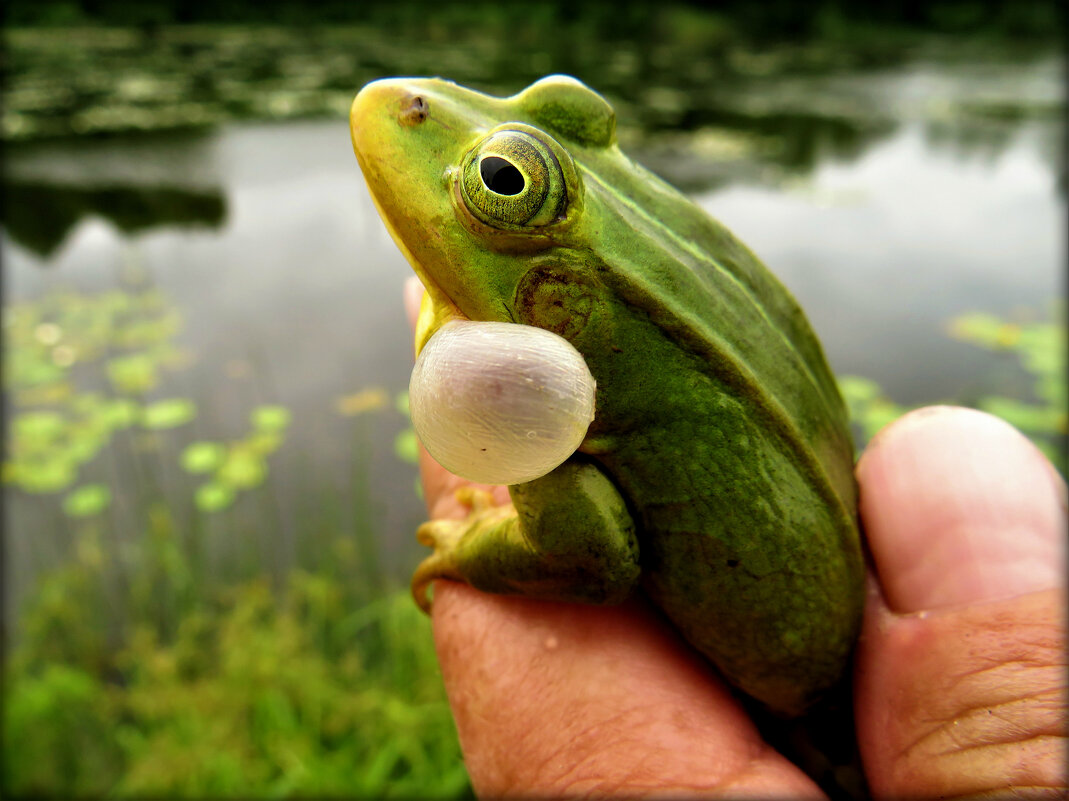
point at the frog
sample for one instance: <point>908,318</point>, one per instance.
<point>716,477</point>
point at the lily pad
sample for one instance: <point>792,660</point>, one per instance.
<point>45,475</point>
<point>120,413</point>
<point>213,497</point>
<point>37,430</point>
<point>243,468</point>
<point>87,500</point>
<point>406,446</point>
<point>270,418</point>
<point>263,443</point>
<point>203,457</point>
<point>169,413</point>
<point>134,373</point>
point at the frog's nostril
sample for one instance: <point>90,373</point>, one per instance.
<point>413,110</point>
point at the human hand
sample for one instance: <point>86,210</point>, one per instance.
<point>960,675</point>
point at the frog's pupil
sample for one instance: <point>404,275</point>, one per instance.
<point>500,176</point>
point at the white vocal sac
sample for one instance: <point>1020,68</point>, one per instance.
<point>500,403</point>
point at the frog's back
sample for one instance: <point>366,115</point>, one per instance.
<point>711,295</point>
<point>757,510</point>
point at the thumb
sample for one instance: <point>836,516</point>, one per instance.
<point>961,665</point>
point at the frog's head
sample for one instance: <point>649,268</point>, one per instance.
<point>472,186</point>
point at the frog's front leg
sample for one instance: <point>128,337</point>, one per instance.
<point>567,536</point>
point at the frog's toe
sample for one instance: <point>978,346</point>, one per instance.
<point>435,566</point>
<point>474,499</point>
<point>440,534</point>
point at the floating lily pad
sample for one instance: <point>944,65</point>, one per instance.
<point>169,413</point>
<point>121,412</point>
<point>406,446</point>
<point>30,368</point>
<point>37,430</point>
<point>203,457</point>
<point>85,443</point>
<point>134,373</point>
<point>263,443</point>
<point>46,475</point>
<point>242,469</point>
<point>270,418</point>
<point>1030,418</point>
<point>213,497</point>
<point>87,500</point>
<point>858,388</point>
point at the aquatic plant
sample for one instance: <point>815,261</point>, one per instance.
<point>1037,348</point>
<point>319,688</point>
<point>54,349</point>
<point>239,464</point>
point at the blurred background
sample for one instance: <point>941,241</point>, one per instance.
<point>209,482</point>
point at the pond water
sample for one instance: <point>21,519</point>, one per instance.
<point>884,204</point>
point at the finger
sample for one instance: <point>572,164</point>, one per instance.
<point>557,699</point>
<point>413,296</point>
<point>440,489</point>
<point>961,665</point>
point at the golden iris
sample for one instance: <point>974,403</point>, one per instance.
<point>514,179</point>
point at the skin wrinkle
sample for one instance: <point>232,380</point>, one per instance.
<point>1020,691</point>
<point>990,768</point>
<point>644,774</point>
<point>562,774</point>
<point>608,748</point>
<point>616,730</point>
<point>981,666</point>
<point>1047,702</point>
<point>630,728</point>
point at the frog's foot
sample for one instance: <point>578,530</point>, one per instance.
<point>445,537</point>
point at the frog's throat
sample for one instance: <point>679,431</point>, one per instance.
<point>436,308</point>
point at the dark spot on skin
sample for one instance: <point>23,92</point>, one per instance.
<point>492,388</point>
<point>414,110</point>
<point>733,562</point>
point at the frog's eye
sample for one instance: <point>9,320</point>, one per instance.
<point>514,179</point>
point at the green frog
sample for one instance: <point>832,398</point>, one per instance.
<point>717,473</point>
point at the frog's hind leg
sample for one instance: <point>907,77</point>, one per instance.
<point>566,536</point>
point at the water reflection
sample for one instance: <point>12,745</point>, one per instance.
<point>867,193</point>
<point>723,145</point>
<point>39,215</point>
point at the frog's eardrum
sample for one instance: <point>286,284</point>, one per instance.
<point>500,403</point>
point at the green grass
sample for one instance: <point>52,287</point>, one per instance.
<point>318,689</point>
<point>141,668</point>
<point>141,664</point>
<point>137,671</point>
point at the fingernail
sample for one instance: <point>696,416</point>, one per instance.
<point>959,507</point>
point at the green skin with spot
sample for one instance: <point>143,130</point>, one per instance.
<point>718,471</point>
